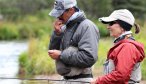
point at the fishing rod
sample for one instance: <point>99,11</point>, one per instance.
<point>39,79</point>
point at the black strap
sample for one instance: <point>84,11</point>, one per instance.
<point>79,76</point>
<point>76,24</point>
<point>133,81</point>
<point>123,37</point>
<point>74,30</point>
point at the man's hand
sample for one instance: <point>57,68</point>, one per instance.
<point>57,26</point>
<point>54,54</point>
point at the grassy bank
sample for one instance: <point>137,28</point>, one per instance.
<point>36,61</point>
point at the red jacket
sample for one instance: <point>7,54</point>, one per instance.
<point>125,54</point>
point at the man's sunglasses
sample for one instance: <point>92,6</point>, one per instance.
<point>112,23</point>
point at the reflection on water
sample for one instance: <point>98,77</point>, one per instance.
<point>9,52</point>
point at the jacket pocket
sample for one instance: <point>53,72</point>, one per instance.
<point>62,69</point>
<point>108,66</point>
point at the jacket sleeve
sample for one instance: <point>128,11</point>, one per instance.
<point>55,41</point>
<point>86,55</point>
<point>125,61</point>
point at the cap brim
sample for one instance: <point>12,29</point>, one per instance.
<point>106,20</point>
<point>56,13</point>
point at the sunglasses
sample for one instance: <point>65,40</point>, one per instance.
<point>112,23</point>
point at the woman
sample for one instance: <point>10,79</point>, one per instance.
<point>123,59</point>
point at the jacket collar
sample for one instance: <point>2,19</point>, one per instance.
<point>76,17</point>
<point>127,34</point>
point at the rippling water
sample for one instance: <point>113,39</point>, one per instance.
<point>9,53</point>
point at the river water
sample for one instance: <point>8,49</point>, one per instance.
<point>9,65</point>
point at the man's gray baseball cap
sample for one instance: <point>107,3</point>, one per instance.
<point>60,6</point>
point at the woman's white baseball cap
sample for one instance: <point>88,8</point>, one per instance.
<point>121,14</point>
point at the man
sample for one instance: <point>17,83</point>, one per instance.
<point>74,42</point>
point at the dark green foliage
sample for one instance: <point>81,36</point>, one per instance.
<point>12,9</point>
<point>102,29</point>
<point>136,6</point>
<point>95,8</point>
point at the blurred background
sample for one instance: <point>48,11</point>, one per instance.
<point>25,30</point>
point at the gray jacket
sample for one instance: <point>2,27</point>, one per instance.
<point>79,48</point>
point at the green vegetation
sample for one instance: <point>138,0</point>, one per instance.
<point>144,70</point>
<point>94,8</point>
<point>30,26</point>
<point>136,6</point>
<point>36,61</point>
<point>8,32</point>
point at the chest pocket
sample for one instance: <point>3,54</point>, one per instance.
<point>108,66</point>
